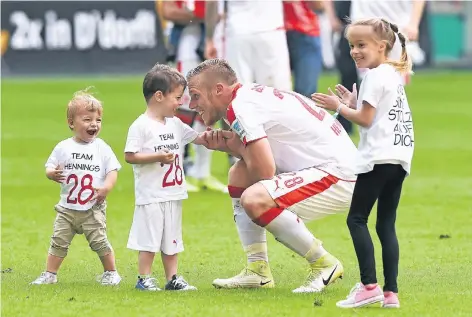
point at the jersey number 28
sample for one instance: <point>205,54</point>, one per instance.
<point>85,184</point>
<point>177,177</point>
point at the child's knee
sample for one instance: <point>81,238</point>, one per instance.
<point>101,246</point>
<point>58,247</point>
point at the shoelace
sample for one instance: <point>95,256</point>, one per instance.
<point>43,277</point>
<point>180,282</point>
<point>150,282</point>
<point>312,275</point>
<point>105,277</point>
<point>353,290</point>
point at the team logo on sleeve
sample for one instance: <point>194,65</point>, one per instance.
<point>238,129</point>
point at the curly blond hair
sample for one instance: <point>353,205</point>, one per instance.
<point>83,99</point>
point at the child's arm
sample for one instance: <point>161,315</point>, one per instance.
<point>363,116</point>
<point>110,181</point>
<point>53,170</point>
<point>55,174</point>
<point>163,156</point>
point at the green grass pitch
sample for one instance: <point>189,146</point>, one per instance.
<point>435,274</point>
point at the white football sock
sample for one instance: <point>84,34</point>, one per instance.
<point>291,231</point>
<point>253,237</point>
<point>202,165</point>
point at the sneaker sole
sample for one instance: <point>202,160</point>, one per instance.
<point>391,306</point>
<point>365,302</point>
<point>268,285</point>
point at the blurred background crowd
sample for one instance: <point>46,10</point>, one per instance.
<point>285,44</point>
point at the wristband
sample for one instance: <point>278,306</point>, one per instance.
<point>335,115</point>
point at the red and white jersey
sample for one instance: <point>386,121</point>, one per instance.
<point>254,16</point>
<point>85,167</point>
<point>300,134</point>
<point>157,182</point>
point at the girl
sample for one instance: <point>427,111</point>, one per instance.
<point>385,151</point>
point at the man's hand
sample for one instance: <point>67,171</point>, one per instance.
<point>210,50</point>
<point>411,32</point>
<point>55,174</point>
<point>224,141</point>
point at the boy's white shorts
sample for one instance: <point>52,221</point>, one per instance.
<point>157,227</point>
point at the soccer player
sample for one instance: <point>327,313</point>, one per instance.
<point>294,168</point>
<point>87,170</point>
<point>256,43</point>
<point>154,146</point>
<point>188,16</point>
<point>385,152</point>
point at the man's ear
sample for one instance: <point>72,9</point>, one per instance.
<point>158,96</point>
<point>219,88</point>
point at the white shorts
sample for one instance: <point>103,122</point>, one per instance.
<point>157,227</point>
<point>262,58</point>
<point>310,193</point>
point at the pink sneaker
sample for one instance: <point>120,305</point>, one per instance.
<point>391,300</point>
<point>362,295</point>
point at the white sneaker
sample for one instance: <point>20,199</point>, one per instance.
<point>255,275</point>
<point>45,278</point>
<point>323,272</point>
<point>109,278</point>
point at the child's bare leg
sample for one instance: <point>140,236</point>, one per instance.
<point>170,265</point>
<point>108,261</point>
<point>53,263</point>
<point>145,260</point>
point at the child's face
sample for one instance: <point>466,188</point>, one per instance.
<point>86,124</point>
<point>366,51</point>
<point>170,102</point>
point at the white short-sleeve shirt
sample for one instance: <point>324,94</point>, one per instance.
<point>390,138</point>
<point>157,182</point>
<point>85,167</point>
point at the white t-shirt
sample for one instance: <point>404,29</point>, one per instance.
<point>300,134</point>
<point>390,138</point>
<point>254,16</point>
<point>157,182</point>
<point>395,11</point>
<point>85,167</point>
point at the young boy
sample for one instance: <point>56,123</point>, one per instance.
<point>87,170</point>
<point>155,145</point>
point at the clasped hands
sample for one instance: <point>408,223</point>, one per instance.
<point>223,140</point>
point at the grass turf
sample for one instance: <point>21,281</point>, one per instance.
<point>435,273</point>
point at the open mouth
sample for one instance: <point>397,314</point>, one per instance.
<point>91,132</point>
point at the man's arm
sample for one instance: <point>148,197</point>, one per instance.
<point>315,5</point>
<point>417,13</point>
<point>259,159</point>
<point>171,12</point>
<point>211,19</point>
